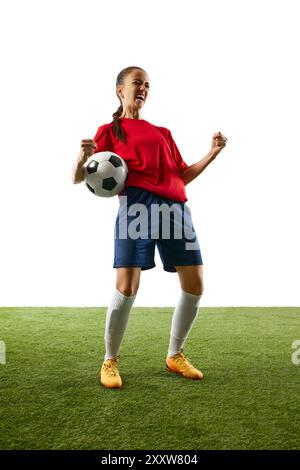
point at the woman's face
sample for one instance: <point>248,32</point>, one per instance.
<point>134,92</point>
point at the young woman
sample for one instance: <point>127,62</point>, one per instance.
<point>157,176</point>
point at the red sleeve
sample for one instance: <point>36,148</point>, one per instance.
<point>102,139</point>
<point>181,164</point>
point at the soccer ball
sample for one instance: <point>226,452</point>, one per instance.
<point>105,174</point>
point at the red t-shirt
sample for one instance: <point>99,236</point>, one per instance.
<point>153,159</point>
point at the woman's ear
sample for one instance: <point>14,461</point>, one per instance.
<point>119,93</point>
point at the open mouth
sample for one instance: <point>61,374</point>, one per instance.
<point>140,98</point>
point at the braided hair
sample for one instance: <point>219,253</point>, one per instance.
<point>117,128</point>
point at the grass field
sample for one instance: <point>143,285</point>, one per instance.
<point>51,398</point>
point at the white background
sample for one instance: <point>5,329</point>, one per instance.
<point>229,66</point>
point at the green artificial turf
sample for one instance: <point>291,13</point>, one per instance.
<point>51,398</point>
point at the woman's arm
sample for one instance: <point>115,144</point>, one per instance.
<point>191,172</point>
<point>87,148</point>
<point>217,144</point>
<point>78,171</point>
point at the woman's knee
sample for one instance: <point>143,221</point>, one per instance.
<point>191,279</point>
<point>195,288</point>
<point>128,280</point>
<point>127,290</point>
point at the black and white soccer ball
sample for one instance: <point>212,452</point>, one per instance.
<point>105,174</point>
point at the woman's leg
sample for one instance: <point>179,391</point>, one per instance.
<point>191,278</point>
<point>128,280</point>
<point>117,316</point>
<point>191,282</point>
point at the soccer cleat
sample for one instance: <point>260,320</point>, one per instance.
<point>109,374</point>
<point>181,365</point>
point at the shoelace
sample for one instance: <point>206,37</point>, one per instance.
<point>111,368</point>
<point>181,359</point>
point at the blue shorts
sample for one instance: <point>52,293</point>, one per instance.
<point>146,220</point>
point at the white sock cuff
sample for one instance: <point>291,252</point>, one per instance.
<point>121,299</point>
<point>191,298</point>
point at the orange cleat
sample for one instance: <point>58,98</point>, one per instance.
<point>181,365</point>
<point>109,374</point>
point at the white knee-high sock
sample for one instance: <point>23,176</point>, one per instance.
<point>183,318</point>
<point>116,320</point>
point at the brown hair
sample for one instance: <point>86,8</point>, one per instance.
<point>117,128</point>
